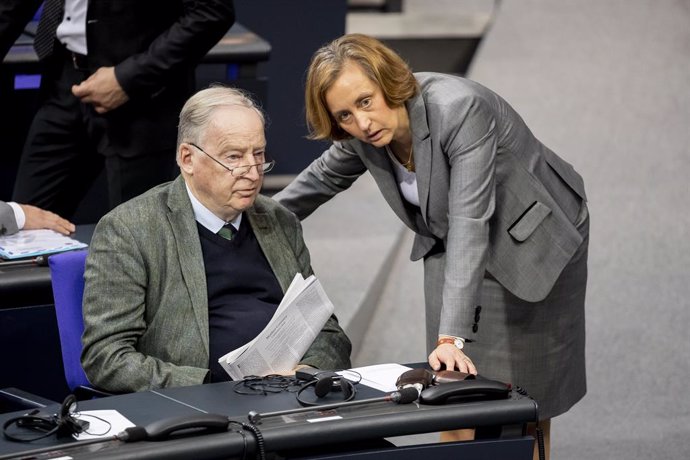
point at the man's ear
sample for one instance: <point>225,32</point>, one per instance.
<point>184,158</point>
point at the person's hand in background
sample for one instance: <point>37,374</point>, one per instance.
<point>37,218</point>
<point>102,90</point>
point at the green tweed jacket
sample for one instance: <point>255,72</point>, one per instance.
<point>145,298</point>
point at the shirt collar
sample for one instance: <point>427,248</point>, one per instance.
<point>206,218</point>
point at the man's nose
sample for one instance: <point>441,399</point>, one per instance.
<point>253,172</point>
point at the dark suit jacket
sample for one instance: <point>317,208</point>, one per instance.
<point>491,195</point>
<point>154,46</point>
<point>145,296</point>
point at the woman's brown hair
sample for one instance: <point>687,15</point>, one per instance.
<point>383,65</point>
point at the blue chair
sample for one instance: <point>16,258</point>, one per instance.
<point>67,277</point>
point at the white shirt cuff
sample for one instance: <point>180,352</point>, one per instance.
<point>18,214</point>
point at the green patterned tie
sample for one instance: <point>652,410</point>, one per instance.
<point>228,232</point>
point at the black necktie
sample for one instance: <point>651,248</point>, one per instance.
<point>228,231</point>
<point>45,33</point>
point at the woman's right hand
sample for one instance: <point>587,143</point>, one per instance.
<point>452,358</point>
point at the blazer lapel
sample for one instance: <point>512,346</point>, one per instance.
<point>280,255</point>
<point>191,260</point>
<point>378,164</point>
<point>421,145</point>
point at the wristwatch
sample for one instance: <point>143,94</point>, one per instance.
<point>457,341</point>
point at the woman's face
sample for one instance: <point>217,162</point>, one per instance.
<point>357,104</point>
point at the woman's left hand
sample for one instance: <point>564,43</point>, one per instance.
<point>452,358</point>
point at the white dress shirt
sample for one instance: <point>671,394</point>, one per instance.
<point>72,30</point>
<point>206,218</point>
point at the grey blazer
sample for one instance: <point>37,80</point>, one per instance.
<point>8,223</point>
<point>491,195</point>
<point>145,297</point>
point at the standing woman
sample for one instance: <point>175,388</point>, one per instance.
<point>500,220</point>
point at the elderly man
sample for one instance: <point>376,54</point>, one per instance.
<point>194,268</point>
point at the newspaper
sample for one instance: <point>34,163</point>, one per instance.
<point>304,310</point>
<point>29,243</point>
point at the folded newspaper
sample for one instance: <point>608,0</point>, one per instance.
<point>304,310</point>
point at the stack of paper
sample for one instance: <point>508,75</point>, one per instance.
<point>304,310</point>
<point>30,243</point>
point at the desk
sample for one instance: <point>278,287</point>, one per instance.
<point>29,285</point>
<point>505,419</point>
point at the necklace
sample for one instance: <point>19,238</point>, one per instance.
<point>409,164</point>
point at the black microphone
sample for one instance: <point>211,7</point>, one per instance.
<point>404,396</point>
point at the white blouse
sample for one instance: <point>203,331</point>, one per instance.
<point>407,180</point>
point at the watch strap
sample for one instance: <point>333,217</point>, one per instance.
<point>458,342</point>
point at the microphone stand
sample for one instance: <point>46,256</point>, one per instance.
<point>404,396</point>
<point>40,261</point>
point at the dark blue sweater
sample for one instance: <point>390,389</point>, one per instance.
<point>243,292</point>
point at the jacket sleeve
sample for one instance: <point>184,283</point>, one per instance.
<point>331,348</point>
<point>202,24</point>
<point>115,317</point>
<point>469,138</point>
<point>8,223</point>
<point>334,171</point>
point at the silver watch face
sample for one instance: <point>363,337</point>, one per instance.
<point>459,343</point>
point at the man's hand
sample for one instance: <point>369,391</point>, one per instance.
<point>37,218</point>
<point>101,90</point>
<point>454,359</point>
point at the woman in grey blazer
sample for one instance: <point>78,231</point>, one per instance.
<point>500,220</point>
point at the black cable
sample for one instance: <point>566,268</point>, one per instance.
<point>255,385</point>
<point>261,452</point>
<point>539,432</point>
<point>110,426</point>
<point>540,443</point>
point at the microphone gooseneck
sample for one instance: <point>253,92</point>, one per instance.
<point>403,396</point>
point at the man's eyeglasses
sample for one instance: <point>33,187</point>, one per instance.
<point>239,171</point>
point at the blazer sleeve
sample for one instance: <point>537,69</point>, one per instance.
<point>8,222</point>
<point>115,317</point>
<point>184,43</point>
<point>334,171</point>
<point>331,348</point>
<point>469,138</point>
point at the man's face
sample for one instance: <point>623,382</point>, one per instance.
<point>234,137</point>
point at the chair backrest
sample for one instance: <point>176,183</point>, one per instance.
<point>67,278</point>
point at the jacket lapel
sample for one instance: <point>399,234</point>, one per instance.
<point>421,145</point>
<point>191,260</point>
<point>280,256</point>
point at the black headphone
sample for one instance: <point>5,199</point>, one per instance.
<point>62,424</point>
<point>325,383</point>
